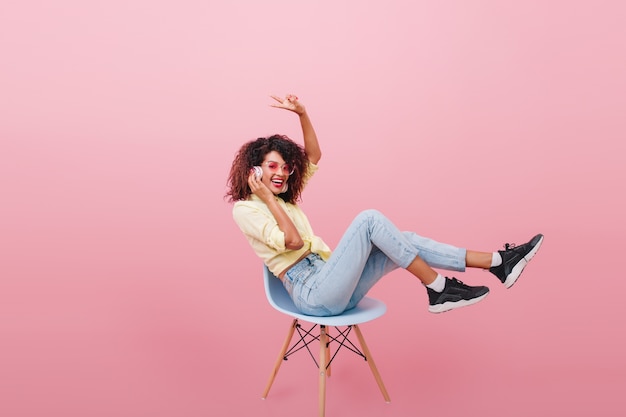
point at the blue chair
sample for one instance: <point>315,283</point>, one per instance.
<point>368,309</point>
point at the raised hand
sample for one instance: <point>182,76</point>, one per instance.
<point>290,102</point>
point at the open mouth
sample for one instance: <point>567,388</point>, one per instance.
<point>278,182</point>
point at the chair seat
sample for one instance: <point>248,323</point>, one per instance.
<point>368,308</point>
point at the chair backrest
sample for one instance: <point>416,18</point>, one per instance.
<point>277,294</point>
<point>368,308</point>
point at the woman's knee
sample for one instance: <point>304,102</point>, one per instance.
<point>370,214</point>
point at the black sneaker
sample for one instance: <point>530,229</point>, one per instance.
<point>514,259</point>
<point>454,295</point>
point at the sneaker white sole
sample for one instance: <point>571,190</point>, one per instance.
<point>517,269</point>
<point>451,305</point>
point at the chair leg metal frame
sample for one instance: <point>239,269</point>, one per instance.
<point>306,337</point>
<point>342,339</point>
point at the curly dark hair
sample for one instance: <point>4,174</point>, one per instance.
<point>253,153</point>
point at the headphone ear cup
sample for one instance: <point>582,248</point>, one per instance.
<point>258,172</point>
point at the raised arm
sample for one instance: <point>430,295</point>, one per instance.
<point>311,144</point>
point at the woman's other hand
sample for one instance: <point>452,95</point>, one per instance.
<point>290,102</point>
<point>258,188</point>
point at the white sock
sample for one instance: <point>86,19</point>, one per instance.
<point>496,259</point>
<point>438,284</point>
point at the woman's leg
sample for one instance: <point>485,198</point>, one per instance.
<point>371,247</point>
<point>474,259</point>
<point>329,290</point>
<point>431,254</point>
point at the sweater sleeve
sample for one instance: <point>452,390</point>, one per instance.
<point>259,225</point>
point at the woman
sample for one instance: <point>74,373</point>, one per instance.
<point>265,182</point>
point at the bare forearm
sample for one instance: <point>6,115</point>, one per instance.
<point>293,240</point>
<point>311,144</point>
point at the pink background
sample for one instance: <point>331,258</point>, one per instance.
<point>127,290</point>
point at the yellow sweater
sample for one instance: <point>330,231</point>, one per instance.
<point>261,229</point>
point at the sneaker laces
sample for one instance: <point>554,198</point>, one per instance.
<point>458,281</point>
<point>509,246</point>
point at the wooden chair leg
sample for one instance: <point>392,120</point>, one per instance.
<point>370,361</point>
<point>322,369</point>
<point>328,353</point>
<point>281,357</point>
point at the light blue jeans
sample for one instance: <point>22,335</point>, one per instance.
<point>370,248</point>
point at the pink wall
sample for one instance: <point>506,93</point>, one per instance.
<point>126,289</point>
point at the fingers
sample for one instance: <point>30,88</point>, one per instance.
<point>290,102</point>
<point>290,98</point>
<point>280,104</point>
<point>254,183</point>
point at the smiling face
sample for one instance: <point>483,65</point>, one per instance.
<point>275,172</point>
